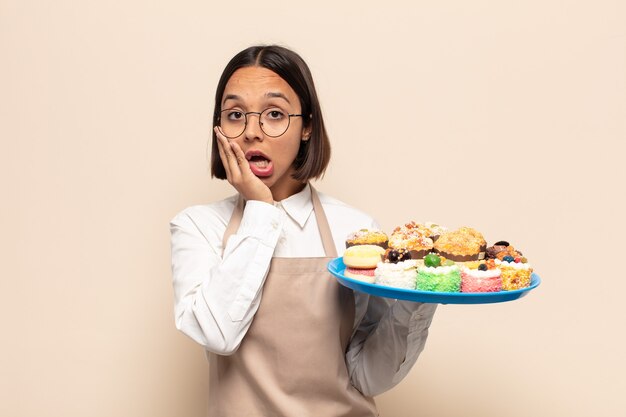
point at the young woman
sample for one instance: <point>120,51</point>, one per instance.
<point>283,338</point>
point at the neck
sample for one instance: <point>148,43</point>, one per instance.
<point>287,189</point>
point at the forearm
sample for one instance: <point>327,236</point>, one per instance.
<point>382,354</point>
<point>217,296</point>
<point>218,312</point>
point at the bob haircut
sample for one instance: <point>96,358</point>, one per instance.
<point>314,154</point>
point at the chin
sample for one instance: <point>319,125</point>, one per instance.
<point>269,181</point>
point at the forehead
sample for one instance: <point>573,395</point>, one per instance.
<point>258,83</point>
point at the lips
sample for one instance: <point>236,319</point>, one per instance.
<point>260,164</point>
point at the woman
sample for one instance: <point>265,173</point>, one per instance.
<point>250,279</point>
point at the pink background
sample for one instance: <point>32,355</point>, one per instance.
<point>505,116</point>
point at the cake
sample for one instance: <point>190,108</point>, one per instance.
<point>501,249</point>
<point>461,245</point>
<point>365,275</point>
<point>361,260</point>
<point>481,277</point>
<point>401,275</point>
<point>437,276</point>
<point>413,237</point>
<point>515,273</point>
<point>367,237</point>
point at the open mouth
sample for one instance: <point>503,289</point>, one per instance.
<point>259,161</point>
<point>260,164</point>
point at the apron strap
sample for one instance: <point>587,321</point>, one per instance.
<point>322,223</point>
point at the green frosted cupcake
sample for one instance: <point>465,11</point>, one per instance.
<point>439,278</point>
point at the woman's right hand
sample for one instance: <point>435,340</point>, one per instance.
<point>238,172</point>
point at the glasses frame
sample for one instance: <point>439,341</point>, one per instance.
<point>245,125</point>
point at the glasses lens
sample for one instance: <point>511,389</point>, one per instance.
<point>274,122</point>
<point>232,122</point>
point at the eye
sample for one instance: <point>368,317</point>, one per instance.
<point>235,115</point>
<point>274,114</point>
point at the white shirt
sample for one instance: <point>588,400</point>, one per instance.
<point>217,296</point>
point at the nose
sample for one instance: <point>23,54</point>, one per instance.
<point>253,127</point>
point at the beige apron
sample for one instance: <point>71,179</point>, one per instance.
<point>291,361</point>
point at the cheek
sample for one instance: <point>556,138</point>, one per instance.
<point>289,150</point>
<point>239,141</point>
<point>294,149</point>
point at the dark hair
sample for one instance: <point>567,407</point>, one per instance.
<point>314,154</point>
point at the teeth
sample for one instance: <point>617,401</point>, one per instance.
<point>263,163</point>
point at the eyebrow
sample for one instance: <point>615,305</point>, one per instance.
<point>230,97</point>
<point>269,94</point>
<point>278,95</point>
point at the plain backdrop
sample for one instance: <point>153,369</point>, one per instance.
<point>506,116</point>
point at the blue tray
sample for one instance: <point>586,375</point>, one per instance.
<point>337,268</point>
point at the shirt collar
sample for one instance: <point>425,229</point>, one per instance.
<point>298,206</point>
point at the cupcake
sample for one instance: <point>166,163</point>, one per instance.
<point>516,273</point>
<point>481,277</point>
<point>435,230</point>
<point>413,237</point>
<point>439,276</point>
<point>400,275</point>
<point>367,237</point>
<point>461,245</point>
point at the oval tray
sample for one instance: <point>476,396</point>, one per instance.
<point>337,268</point>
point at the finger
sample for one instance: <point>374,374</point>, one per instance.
<point>231,160</point>
<point>251,186</point>
<point>242,161</point>
<point>222,153</point>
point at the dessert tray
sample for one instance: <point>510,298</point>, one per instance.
<point>337,268</point>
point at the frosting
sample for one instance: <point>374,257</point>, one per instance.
<point>441,278</point>
<point>411,236</point>
<point>367,236</point>
<point>439,270</point>
<point>402,274</point>
<point>400,266</point>
<point>476,273</point>
<point>435,229</point>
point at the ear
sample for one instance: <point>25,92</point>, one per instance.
<point>306,133</point>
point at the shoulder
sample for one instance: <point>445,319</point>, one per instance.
<point>344,219</point>
<point>340,209</point>
<point>207,219</point>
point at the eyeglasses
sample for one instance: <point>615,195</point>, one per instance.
<point>273,122</point>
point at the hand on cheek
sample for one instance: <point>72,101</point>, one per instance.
<point>238,171</point>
